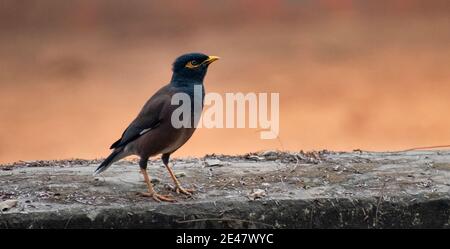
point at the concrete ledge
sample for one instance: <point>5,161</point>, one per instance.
<point>263,190</point>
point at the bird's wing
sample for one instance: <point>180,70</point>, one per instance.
<point>149,118</point>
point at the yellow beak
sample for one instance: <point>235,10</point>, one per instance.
<point>210,60</point>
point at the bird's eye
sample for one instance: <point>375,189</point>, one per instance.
<point>192,64</point>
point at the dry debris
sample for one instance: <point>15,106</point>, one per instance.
<point>214,163</point>
<point>7,205</point>
<point>257,193</point>
<point>313,157</point>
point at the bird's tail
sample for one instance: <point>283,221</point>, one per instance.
<point>115,156</point>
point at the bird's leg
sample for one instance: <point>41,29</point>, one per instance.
<point>178,187</point>
<point>151,192</point>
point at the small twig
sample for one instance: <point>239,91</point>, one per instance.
<point>379,203</point>
<point>296,163</point>
<point>281,143</point>
<point>68,221</point>
<point>225,210</point>
<point>219,219</point>
<point>226,184</point>
<point>423,148</point>
<point>278,138</point>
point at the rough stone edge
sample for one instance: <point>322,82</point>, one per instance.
<point>281,213</point>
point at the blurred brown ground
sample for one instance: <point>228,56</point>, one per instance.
<point>372,75</point>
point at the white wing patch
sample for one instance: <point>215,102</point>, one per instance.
<point>144,131</point>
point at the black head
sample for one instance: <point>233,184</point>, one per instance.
<point>191,67</point>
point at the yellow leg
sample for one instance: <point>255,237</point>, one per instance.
<point>178,187</point>
<point>151,192</point>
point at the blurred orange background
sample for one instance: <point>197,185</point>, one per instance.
<point>371,75</point>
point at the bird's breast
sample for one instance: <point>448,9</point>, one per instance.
<point>177,139</point>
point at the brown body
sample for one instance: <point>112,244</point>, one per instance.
<point>163,138</point>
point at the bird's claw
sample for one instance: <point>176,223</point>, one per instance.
<point>157,197</point>
<point>182,190</point>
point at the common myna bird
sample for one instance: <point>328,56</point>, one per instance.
<point>152,133</point>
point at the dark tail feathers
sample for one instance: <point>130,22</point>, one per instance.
<point>115,156</point>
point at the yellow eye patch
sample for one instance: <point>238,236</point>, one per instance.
<point>192,64</point>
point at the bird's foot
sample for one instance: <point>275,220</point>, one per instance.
<point>188,192</point>
<point>157,197</point>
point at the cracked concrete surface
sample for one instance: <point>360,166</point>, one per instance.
<point>299,190</point>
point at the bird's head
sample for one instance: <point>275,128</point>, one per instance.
<point>192,67</point>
